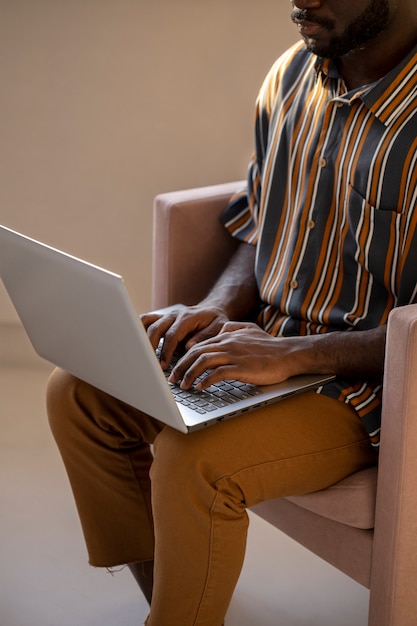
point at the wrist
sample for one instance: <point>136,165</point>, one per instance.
<point>232,304</point>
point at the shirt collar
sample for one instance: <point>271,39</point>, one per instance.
<point>388,97</point>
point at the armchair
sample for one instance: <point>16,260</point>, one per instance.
<point>366,525</point>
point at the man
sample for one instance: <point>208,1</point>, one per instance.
<point>328,232</point>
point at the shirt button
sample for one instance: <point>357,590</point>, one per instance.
<point>311,224</point>
<point>322,162</point>
<point>294,284</point>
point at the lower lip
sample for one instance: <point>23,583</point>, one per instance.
<point>309,30</point>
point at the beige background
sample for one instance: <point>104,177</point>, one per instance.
<point>105,103</point>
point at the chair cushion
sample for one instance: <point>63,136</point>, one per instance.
<point>351,501</point>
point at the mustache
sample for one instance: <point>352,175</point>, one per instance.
<point>306,15</point>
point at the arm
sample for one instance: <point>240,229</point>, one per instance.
<point>236,291</point>
<point>247,353</point>
<point>243,350</point>
<point>353,354</point>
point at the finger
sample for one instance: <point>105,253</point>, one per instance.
<point>148,318</point>
<point>223,372</point>
<point>194,365</point>
<point>189,329</point>
<point>212,330</point>
<point>173,338</point>
<point>158,330</point>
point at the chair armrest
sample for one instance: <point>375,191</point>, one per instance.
<point>394,568</point>
<point>191,247</point>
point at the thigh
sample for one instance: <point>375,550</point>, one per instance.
<point>298,445</point>
<point>79,412</point>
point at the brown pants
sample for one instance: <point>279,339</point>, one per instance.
<point>194,523</point>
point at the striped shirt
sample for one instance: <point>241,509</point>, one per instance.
<point>332,188</point>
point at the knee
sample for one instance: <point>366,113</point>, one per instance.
<point>60,392</point>
<point>194,467</point>
<point>173,454</point>
<point>179,458</point>
<point>58,389</point>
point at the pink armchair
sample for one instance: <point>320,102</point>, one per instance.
<point>366,525</point>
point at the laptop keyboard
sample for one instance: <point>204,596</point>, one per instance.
<point>216,396</point>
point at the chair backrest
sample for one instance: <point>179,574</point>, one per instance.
<point>188,241</point>
<point>394,568</point>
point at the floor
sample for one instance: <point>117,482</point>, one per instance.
<point>44,577</point>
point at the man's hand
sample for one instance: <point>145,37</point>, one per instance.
<point>182,325</point>
<point>245,352</point>
<point>242,351</point>
<point>233,296</point>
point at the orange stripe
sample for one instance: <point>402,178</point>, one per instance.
<point>279,237</point>
<point>336,213</point>
<point>389,110</point>
<point>297,181</point>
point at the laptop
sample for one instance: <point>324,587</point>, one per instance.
<point>80,317</point>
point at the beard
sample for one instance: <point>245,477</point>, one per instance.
<point>367,26</point>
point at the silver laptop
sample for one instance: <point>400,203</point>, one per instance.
<point>79,317</point>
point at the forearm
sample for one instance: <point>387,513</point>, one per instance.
<point>245,352</point>
<point>357,354</point>
<point>236,292</point>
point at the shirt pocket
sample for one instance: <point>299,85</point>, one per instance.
<point>374,241</point>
